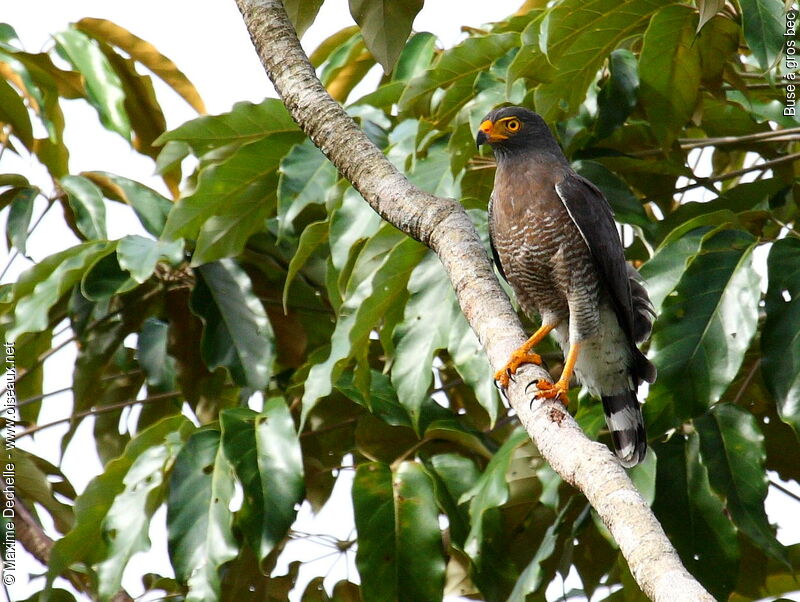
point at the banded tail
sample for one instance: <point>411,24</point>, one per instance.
<point>624,420</point>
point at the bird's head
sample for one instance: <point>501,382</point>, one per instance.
<point>513,128</point>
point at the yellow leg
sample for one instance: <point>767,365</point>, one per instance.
<point>559,389</point>
<point>523,355</point>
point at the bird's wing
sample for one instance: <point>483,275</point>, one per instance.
<point>495,256</point>
<point>591,212</point>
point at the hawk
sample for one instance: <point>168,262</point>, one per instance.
<point>554,240</point>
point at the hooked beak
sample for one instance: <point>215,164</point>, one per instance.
<point>486,134</point>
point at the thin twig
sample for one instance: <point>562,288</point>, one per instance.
<point>101,410</point>
<point>734,174</point>
<point>783,489</point>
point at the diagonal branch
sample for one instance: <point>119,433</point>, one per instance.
<point>443,225</point>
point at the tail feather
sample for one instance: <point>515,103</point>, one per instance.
<point>624,420</point>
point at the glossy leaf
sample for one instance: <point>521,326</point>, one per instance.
<point>139,255</point>
<point>85,542</point>
<point>708,8</point>
<point>694,516</point>
<point>618,96</point>
<point>157,365</point>
<point>302,13</point>
<point>40,287</point>
<point>780,338</point>
<point>669,68</point>
<point>86,202</point>
<point>705,329</point>
<point>433,321</point>
<point>378,281</point>
<point>127,523</point>
<point>306,177</point>
<point>19,216</point>
<point>149,206</point>
<point>237,333</point>
<point>246,122</point>
<point>400,554</point>
<point>265,454</point>
<point>199,521</point>
<point>385,25</point>
<point>466,60</point>
<point>732,448</point>
<point>664,270</point>
<point>14,113</point>
<point>763,25</point>
<point>103,86</point>
<point>579,36</point>
<point>415,57</point>
<point>232,199</point>
<point>146,54</point>
<point>312,237</point>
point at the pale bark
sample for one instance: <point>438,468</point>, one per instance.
<point>443,225</point>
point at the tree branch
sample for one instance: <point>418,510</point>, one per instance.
<point>443,225</point>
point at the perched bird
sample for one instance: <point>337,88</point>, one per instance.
<point>554,240</point>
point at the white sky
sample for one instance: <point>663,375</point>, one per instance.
<point>208,41</point>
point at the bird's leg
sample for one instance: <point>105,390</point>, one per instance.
<point>523,355</point>
<point>559,389</point>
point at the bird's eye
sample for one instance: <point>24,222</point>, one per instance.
<point>513,125</point>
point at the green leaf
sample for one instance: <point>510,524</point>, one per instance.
<point>19,216</point>
<point>400,554</point>
<point>706,327</point>
<point>454,475</point>
<point>467,60</point>
<point>103,85</point>
<point>86,542</point>
<point>385,25</point>
<point>158,366</point>
<point>533,576</point>
<point>780,338</point>
<point>265,453</point>
<point>618,96</point>
<point>40,287</point>
<point>246,122</point>
<point>312,237</point>
<point>433,321</point>
<point>490,492</point>
<point>149,206</point>
<point>732,447</point>
<point>86,202</point>
<point>693,515</point>
<point>199,520</point>
<point>139,255</point>
<point>378,281</point>
<point>145,53</point>
<point>763,24</point>
<point>708,9</point>
<point>664,270</point>
<point>306,177</point>
<point>415,57</point>
<point>237,333</point>
<point>232,199</point>
<point>669,68</point>
<point>14,113</point>
<point>302,13</point>
<point>105,278</point>
<point>577,39</point>
<point>127,523</point>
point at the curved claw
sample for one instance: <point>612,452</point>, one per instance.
<point>557,390</point>
<point>506,373</point>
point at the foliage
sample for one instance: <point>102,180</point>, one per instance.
<point>302,336</point>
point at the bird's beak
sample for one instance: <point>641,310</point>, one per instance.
<point>482,137</point>
<point>486,134</point>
